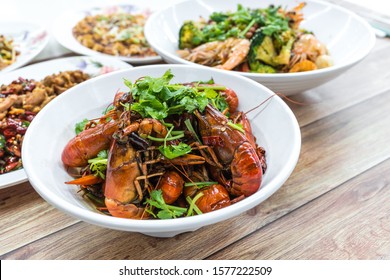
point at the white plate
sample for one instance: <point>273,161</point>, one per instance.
<point>274,126</point>
<point>348,37</point>
<point>28,38</point>
<point>93,66</point>
<point>64,24</point>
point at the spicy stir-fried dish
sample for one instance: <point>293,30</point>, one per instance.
<point>8,53</point>
<point>120,34</point>
<point>164,150</point>
<point>265,40</point>
<point>20,101</point>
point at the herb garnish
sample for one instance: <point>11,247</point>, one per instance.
<point>167,211</point>
<point>80,126</point>
<point>158,98</point>
<point>200,185</point>
<point>98,165</point>
<point>173,151</point>
<point>192,204</point>
<point>236,126</point>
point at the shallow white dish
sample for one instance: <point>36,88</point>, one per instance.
<point>93,66</point>
<point>274,125</point>
<point>62,31</point>
<point>348,37</point>
<point>28,38</point>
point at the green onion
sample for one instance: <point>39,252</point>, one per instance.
<point>242,34</point>
<point>177,132</point>
<point>236,126</point>
<point>166,124</point>
<point>188,124</point>
<point>126,106</point>
<point>166,139</point>
<point>211,87</point>
<point>192,204</point>
<point>200,184</point>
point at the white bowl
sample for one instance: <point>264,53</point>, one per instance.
<point>274,125</point>
<point>348,37</point>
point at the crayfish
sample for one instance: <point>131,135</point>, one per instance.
<point>219,162</point>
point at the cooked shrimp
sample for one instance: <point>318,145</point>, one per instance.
<point>323,61</point>
<point>295,15</point>
<point>307,47</point>
<point>221,54</point>
<point>237,54</point>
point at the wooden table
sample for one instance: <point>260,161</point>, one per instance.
<point>335,205</point>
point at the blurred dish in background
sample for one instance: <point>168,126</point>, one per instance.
<point>20,42</point>
<point>113,31</point>
<point>24,92</point>
<point>8,53</point>
<point>256,40</point>
<point>348,37</point>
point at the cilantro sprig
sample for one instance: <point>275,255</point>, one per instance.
<point>98,165</point>
<point>80,126</point>
<point>165,211</point>
<point>158,97</point>
<point>173,151</point>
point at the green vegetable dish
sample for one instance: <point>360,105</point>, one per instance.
<point>267,40</point>
<point>166,150</point>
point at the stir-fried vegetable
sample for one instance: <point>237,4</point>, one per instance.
<point>259,40</point>
<point>267,53</point>
<point>237,24</point>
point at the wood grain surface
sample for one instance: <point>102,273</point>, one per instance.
<point>335,205</point>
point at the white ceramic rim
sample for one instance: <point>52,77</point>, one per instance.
<point>180,224</point>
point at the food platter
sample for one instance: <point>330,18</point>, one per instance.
<point>94,66</point>
<point>348,38</point>
<point>275,127</point>
<point>65,23</point>
<point>28,39</point>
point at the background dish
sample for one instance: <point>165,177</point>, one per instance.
<point>93,66</point>
<point>63,26</point>
<point>275,127</point>
<point>348,38</point>
<point>30,39</point>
